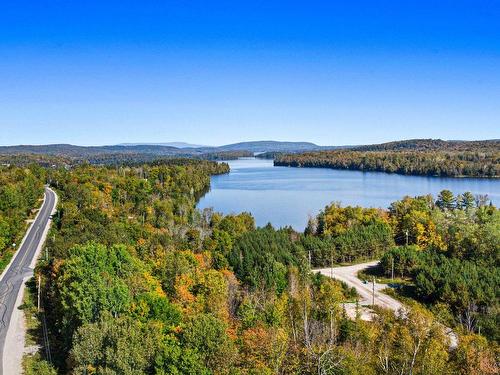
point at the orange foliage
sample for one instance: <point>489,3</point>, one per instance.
<point>184,297</point>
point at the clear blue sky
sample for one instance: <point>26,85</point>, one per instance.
<point>215,72</point>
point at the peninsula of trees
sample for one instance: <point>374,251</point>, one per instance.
<point>413,157</point>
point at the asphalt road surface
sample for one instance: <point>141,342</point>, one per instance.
<point>11,283</point>
<point>367,292</point>
<point>348,274</point>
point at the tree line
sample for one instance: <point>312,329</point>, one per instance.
<point>441,163</point>
<point>450,248</point>
<point>20,192</point>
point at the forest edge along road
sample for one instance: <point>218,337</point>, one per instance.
<point>12,280</point>
<point>348,274</point>
<point>370,292</point>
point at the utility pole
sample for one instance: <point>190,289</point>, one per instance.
<point>309,258</point>
<point>392,269</point>
<point>373,291</point>
<point>39,286</point>
<point>331,266</point>
<point>406,232</point>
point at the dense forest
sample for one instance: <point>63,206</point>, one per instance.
<point>448,251</point>
<point>147,152</point>
<point>110,158</point>
<point>433,145</point>
<point>418,157</point>
<point>452,254</point>
<point>136,280</point>
<point>20,191</point>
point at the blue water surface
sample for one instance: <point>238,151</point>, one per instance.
<point>288,196</point>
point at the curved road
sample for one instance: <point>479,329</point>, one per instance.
<point>369,292</point>
<point>12,282</point>
<point>349,275</point>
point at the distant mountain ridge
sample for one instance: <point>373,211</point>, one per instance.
<point>266,146</point>
<point>163,149</point>
<point>72,150</point>
<point>252,146</point>
<point>169,144</point>
<point>151,151</point>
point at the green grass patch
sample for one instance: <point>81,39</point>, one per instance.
<point>29,307</point>
<point>380,277</point>
<point>5,258</point>
<point>10,251</point>
<point>36,365</point>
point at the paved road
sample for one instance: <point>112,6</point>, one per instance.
<point>11,282</point>
<point>348,274</point>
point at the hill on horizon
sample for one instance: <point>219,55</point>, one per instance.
<point>266,146</point>
<point>138,152</point>
<point>168,144</point>
<point>163,149</point>
<point>430,144</point>
<point>252,146</point>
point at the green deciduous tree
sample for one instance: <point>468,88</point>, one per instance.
<point>207,334</point>
<point>115,346</point>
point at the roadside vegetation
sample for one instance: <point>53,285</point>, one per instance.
<point>20,192</point>
<point>138,281</point>
<point>33,359</point>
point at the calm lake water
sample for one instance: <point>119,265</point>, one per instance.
<point>287,196</point>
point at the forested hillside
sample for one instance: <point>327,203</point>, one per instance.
<point>433,157</point>
<point>433,145</point>
<point>148,152</point>
<point>266,146</point>
<point>109,158</point>
<point>137,281</point>
<point>417,157</point>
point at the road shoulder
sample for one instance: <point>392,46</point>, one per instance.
<point>16,337</point>
<point>16,331</point>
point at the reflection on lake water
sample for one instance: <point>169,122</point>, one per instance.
<point>287,196</point>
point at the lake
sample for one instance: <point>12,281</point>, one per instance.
<point>288,196</point>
